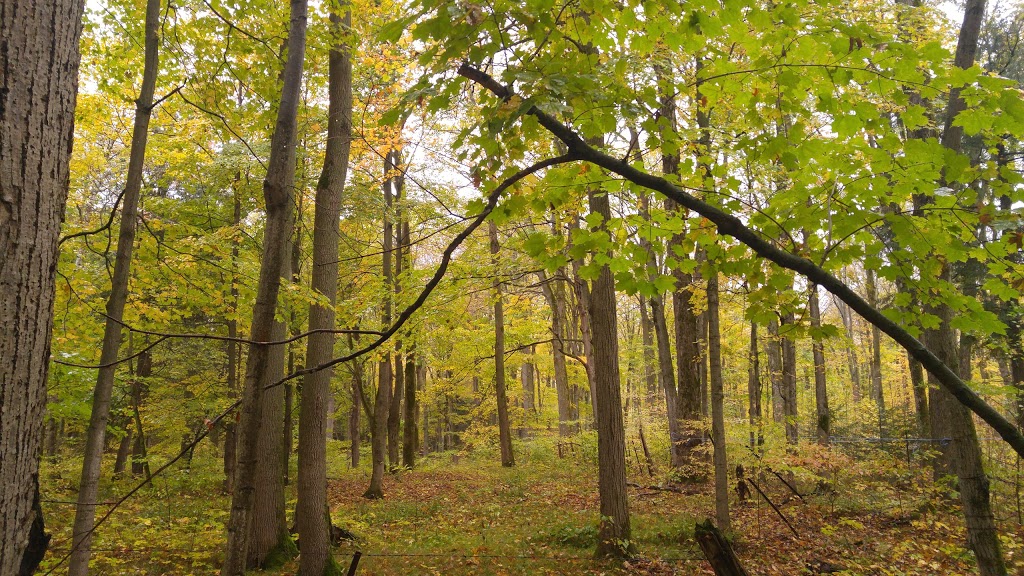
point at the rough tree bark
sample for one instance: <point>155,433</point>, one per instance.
<point>38,84</point>
<point>277,193</point>
<point>504,429</point>
<point>754,390</point>
<point>312,515</point>
<point>88,487</point>
<point>614,529</point>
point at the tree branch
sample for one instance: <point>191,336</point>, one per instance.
<point>729,225</point>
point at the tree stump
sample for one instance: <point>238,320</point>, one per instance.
<point>717,550</point>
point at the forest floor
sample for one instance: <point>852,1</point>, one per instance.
<point>459,513</point>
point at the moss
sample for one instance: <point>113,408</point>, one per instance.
<point>333,568</point>
<point>283,552</point>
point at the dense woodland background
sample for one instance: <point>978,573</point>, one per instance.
<point>524,288</point>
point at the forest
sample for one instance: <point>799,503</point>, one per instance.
<point>724,287</point>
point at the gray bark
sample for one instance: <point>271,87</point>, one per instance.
<point>311,512</point>
<point>38,84</point>
<point>611,443</point>
<point>277,193</point>
<point>717,396</point>
<point>824,416</point>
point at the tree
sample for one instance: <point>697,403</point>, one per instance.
<point>311,512</point>
<point>277,192</point>
<point>85,511</point>
<point>500,391</point>
<point>38,88</point>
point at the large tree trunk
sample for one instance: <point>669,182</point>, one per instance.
<point>311,512</point>
<point>277,193</point>
<point>964,451</point>
<point>504,429</point>
<point>88,487</point>
<point>269,540</point>
<point>614,531</point>
<point>38,84</point>
<point>824,416</point>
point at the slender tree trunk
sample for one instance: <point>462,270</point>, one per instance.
<point>680,445</point>
<point>277,192</point>
<point>824,415</point>
<point>614,529</point>
<point>311,512</point>
<point>717,393</point>
<point>754,390</point>
<point>650,362</point>
<point>140,458</point>
<point>504,429</point>
<point>554,293</point>
<point>774,353</point>
<point>789,406</point>
<point>852,363</point>
<point>382,400</point>
<point>353,415</point>
<point>398,388</point>
<point>88,490</point>
<point>230,424</point>
<point>410,439</point>
<point>526,377</point>
<point>875,368</point>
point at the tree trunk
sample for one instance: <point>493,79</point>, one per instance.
<point>824,416</point>
<point>504,429</point>
<point>773,350</point>
<point>88,491</point>
<point>277,192</point>
<point>268,529</point>
<point>717,396</point>
<point>410,439</point>
<point>554,293</point>
<point>526,377</point>
<point>353,415</point>
<point>233,349</point>
<point>312,515</point>
<point>754,390</point>
<point>614,531</point>
<point>382,400</point>
<point>789,407</point>
<point>398,387</point>
<point>852,363</point>
<point>650,362</point>
<point>964,450</point>
<point>680,445</point>
<point>38,84</point>
<point>140,458</point>
<point>875,367</point>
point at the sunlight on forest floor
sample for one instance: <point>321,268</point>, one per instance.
<point>462,513</point>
